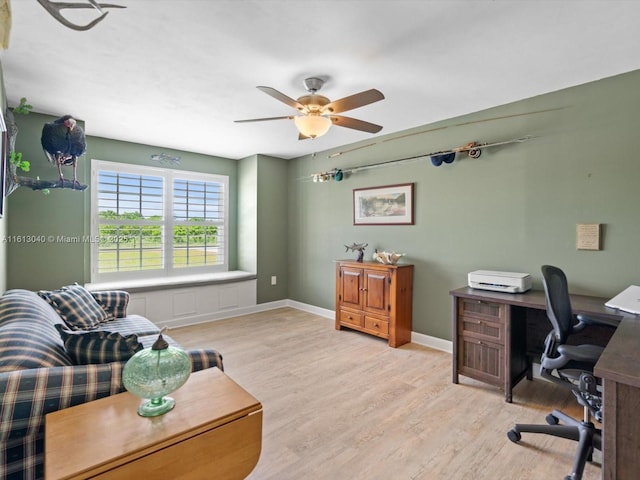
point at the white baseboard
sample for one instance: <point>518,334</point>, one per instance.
<point>322,312</point>
<point>417,338</point>
<point>432,342</point>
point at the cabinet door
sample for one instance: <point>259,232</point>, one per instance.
<point>376,288</point>
<point>351,287</point>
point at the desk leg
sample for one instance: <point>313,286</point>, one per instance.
<point>454,309</point>
<point>508,347</point>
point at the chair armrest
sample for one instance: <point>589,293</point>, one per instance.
<point>588,320</point>
<point>114,302</point>
<point>580,353</point>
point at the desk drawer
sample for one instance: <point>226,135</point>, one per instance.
<point>349,318</point>
<point>482,329</point>
<point>488,311</point>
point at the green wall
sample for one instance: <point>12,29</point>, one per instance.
<point>262,223</point>
<point>64,212</point>
<point>272,234</point>
<point>515,208</point>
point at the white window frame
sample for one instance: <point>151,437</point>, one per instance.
<point>168,175</point>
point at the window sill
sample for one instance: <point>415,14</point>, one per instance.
<point>164,283</point>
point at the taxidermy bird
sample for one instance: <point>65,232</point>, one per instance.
<point>63,142</point>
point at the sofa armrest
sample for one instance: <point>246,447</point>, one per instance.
<point>28,395</point>
<point>205,358</point>
<point>114,302</point>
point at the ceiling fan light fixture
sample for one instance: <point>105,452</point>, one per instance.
<point>312,125</point>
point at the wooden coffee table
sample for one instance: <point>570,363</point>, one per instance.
<point>215,430</point>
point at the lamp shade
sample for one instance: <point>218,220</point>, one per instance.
<point>155,372</point>
<point>312,125</point>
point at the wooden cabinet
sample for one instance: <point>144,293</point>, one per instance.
<point>216,426</point>
<point>375,299</point>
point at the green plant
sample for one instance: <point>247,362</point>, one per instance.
<point>16,159</point>
<point>23,108</point>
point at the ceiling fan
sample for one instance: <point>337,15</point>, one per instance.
<point>318,113</point>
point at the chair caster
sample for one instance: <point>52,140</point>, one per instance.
<point>514,435</point>
<point>552,419</point>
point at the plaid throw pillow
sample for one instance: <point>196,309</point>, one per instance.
<point>77,307</point>
<point>98,347</point>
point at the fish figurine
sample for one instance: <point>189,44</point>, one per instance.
<point>357,247</point>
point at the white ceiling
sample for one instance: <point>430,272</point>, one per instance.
<point>177,73</point>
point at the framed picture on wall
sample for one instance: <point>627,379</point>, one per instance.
<point>387,205</point>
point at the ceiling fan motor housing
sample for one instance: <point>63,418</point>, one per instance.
<point>313,84</point>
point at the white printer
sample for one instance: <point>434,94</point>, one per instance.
<point>510,282</point>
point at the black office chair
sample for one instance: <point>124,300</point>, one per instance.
<point>570,366</point>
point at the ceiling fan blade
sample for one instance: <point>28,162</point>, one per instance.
<point>354,123</point>
<point>288,117</point>
<point>282,97</point>
<point>353,101</point>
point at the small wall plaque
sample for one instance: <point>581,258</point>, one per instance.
<point>588,236</point>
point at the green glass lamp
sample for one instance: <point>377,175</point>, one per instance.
<point>155,372</point>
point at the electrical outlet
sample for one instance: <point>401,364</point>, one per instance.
<point>274,280</point>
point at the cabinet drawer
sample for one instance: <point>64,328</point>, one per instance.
<point>481,360</point>
<point>348,317</point>
<point>489,311</point>
<point>377,326</point>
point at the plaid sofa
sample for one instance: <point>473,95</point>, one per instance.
<point>38,376</point>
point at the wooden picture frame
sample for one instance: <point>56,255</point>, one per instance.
<point>386,205</point>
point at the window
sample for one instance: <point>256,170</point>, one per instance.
<point>149,222</point>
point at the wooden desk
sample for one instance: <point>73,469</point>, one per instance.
<point>619,368</point>
<point>215,429</point>
<point>496,335</point>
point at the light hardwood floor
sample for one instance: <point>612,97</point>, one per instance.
<point>344,405</point>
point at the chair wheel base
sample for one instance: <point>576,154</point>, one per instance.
<point>514,435</point>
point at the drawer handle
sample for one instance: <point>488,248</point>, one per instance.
<point>375,324</point>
